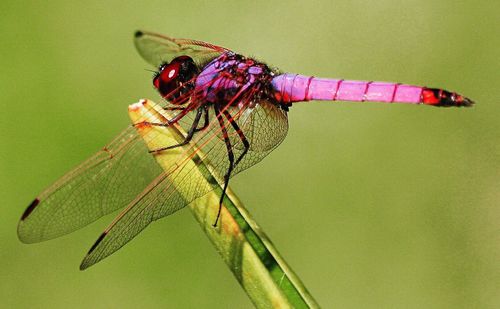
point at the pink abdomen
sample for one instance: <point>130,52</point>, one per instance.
<point>290,88</point>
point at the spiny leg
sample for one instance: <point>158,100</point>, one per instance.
<point>230,156</point>
<point>205,121</point>
<point>174,108</point>
<point>189,135</point>
<point>243,139</point>
<point>184,110</point>
<point>169,122</point>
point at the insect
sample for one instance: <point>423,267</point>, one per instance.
<point>232,107</point>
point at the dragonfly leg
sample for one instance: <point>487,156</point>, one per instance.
<point>189,135</point>
<point>174,108</point>
<point>240,133</point>
<point>169,122</point>
<point>205,122</point>
<point>230,156</point>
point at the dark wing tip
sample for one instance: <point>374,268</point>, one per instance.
<point>30,209</point>
<point>85,263</point>
<point>138,34</point>
<point>97,242</point>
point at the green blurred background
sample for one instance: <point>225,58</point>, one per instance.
<point>373,205</point>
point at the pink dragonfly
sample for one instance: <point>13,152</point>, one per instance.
<point>232,107</point>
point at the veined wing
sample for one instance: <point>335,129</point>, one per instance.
<point>103,183</point>
<point>177,187</point>
<point>157,48</point>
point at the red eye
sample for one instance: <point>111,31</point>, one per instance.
<point>156,81</point>
<point>169,72</point>
<point>166,80</point>
<point>174,79</point>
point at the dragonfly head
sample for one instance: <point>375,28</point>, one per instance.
<point>174,80</point>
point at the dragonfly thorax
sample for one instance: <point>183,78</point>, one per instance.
<point>231,76</point>
<point>174,80</point>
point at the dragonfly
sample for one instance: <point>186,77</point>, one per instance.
<point>232,107</point>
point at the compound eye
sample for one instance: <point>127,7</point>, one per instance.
<point>166,80</point>
<point>170,72</point>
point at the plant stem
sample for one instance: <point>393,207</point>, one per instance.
<point>246,250</point>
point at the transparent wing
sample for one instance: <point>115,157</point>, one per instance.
<point>157,49</point>
<point>265,126</point>
<point>105,182</point>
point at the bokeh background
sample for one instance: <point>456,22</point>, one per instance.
<point>373,205</point>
